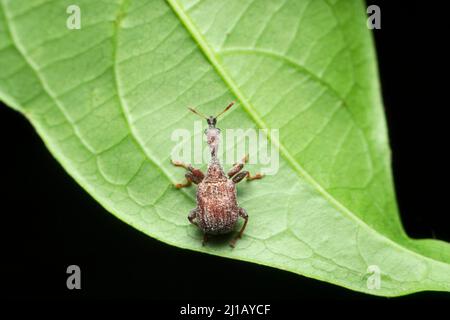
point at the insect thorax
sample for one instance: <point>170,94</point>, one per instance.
<point>215,171</point>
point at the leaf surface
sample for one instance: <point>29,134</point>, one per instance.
<point>106,99</point>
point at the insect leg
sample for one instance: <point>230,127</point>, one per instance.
<point>244,215</point>
<point>254,177</point>
<point>245,174</point>
<point>205,239</point>
<point>196,175</point>
<point>187,183</point>
<point>180,164</point>
<point>238,166</point>
<point>192,215</point>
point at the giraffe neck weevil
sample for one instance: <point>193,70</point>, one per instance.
<point>217,208</point>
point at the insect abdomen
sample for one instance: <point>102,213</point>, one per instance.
<point>218,210</point>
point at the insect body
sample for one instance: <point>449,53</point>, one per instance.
<point>217,209</point>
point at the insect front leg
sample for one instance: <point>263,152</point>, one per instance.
<point>245,174</point>
<point>243,214</point>
<point>238,166</point>
<point>194,175</point>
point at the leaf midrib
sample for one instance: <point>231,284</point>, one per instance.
<point>212,58</point>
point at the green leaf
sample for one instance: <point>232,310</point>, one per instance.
<point>106,98</point>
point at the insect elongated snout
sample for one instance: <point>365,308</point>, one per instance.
<point>213,139</point>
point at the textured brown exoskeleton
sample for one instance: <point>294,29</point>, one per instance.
<point>217,209</point>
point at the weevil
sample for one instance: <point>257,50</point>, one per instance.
<point>217,210</point>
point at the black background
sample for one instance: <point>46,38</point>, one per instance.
<point>49,222</point>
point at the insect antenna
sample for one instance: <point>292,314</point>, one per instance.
<point>198,113</point>
<point>225,110</point>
